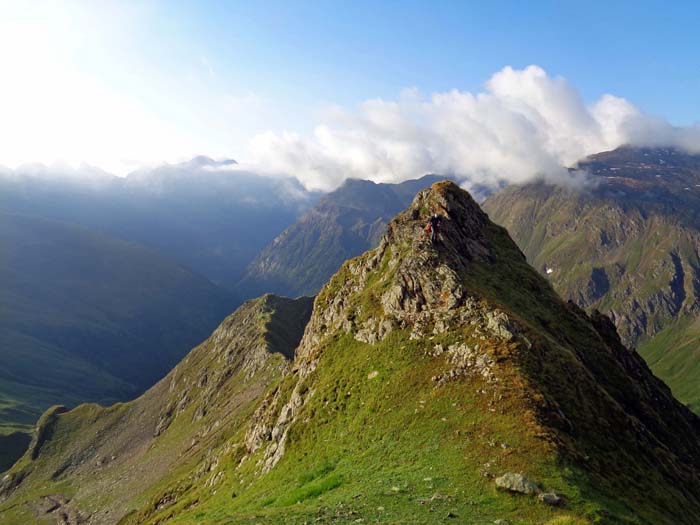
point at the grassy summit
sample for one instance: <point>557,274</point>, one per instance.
<point>424,375</point>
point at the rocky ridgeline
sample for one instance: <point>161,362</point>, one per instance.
<point>240,345</point>
<point>423,292</point>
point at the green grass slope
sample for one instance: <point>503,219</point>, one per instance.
<point>84,317</point>
<point>424,374</point>
<point>674,355</point>
<point>102,462</point>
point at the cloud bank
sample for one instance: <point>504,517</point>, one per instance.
<point>525,125</point>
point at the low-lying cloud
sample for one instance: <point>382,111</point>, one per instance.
<point>525,125</point>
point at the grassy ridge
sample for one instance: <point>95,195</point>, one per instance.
<point>383,448</point>
<point>131,451</point>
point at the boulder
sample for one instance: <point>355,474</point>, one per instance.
<point>517,483</point>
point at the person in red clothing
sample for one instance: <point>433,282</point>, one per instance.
<point>433,227</point>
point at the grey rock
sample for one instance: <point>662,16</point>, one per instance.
<point>517,483</point>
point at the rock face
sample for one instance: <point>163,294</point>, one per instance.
<point>627,245</point>
<point>423,293</point>
<point>425,371</point>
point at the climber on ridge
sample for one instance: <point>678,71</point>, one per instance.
<point>433,227</point>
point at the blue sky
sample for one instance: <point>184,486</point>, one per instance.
<point>121,84</point>
<point>345,52</point>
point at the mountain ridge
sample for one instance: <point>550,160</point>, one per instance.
<point>627,246</point>
<point>343,224</point>
<point>427,376</point>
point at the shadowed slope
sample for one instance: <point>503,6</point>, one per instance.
<point>87,317</point>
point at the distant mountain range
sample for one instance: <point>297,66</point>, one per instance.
<point>87,317</point>
<point>203,214</point>
<point>344,223</point>
<point>629,245</point>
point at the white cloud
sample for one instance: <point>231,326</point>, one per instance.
<point>525,124</point>
<point>79,86</point>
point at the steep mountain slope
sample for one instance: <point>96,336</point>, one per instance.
<point>202,214</point>
<point>85,317</point>
<point>345,223</point>
<point>113,458</point>
<point>628,246</point>
<point>427,376</point>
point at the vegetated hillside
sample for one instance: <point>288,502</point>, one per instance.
<point>202,214</point>
<point>629,246</point>
<point>106,461</point>
<point>427,377</point>
<point>344,224</point>
<point>85,317</point>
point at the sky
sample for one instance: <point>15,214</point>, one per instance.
<point>324,90</point>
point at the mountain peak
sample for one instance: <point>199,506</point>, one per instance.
<point>461,229</point>
<point>468,311</point>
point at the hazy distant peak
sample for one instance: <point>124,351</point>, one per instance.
<point>201,161</point>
